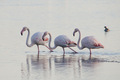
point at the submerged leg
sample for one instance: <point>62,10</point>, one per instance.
<point>49,48</point>
<point>72,50</point>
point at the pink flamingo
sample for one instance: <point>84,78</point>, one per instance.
<point>35,39</point>
<point>62,41</point>
<point>87,42</point>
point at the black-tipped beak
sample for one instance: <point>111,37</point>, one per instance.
<point>43,38</point>
<point>75,43</point>
<point>21,33</point>
<point>73,34</point>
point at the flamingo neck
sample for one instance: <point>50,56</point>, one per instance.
<point>79,40</point>
<point>29,45</point>
<point>50,42</point>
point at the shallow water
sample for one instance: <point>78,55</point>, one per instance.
<point>18,62</point>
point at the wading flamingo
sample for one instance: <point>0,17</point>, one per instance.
<point>62,41</point>
<point>35,39</point>
<point>87,42</point>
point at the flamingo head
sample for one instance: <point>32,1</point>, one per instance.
<point>76,29</point>
<point>45,33</point>
<point>24,29</point>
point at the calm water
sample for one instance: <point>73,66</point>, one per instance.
<point>18,62</point>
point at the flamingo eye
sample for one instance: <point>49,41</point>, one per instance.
<point>45,34</point>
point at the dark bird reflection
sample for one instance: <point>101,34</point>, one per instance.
<point>50,67</point>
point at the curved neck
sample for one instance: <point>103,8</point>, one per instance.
<point>50,42</point>
<point>79,40</point>
<point>29,45</point>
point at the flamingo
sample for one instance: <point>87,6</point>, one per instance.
<point>35,39</point>
<point>87,42</point>
<point>62,41</point>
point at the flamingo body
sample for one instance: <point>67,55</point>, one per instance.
<point>62,41</point>
<point>87,42</point>
<point>91,43</point>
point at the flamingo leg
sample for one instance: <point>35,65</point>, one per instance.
<point>38,49</point>
<point>63,51</point>
<point>48,48</point>
<point>72,50</point>
<point>90,52</point>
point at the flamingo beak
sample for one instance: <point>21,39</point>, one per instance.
<point>43,37</point>
<point>75,43</point>
<point>22,32</point>
<point>74,34</point>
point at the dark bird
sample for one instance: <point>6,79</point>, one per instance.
<point>106,29</point>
